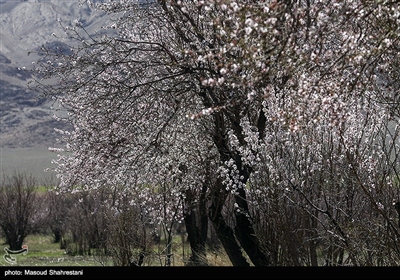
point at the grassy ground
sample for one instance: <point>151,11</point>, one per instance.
<point>43,252</point>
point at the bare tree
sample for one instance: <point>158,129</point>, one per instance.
<point>23,208</point>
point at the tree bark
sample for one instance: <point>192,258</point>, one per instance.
<point>14,239</point>
<point>244,229</point>
<point>196,241</point>
<point>196,228</point>
<point>224,232</point>
<point>245,233</point>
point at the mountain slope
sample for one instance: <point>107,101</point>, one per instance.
<point>25,26</point>
<point>26,122</point>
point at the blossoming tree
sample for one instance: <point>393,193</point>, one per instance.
<point>274,120</point>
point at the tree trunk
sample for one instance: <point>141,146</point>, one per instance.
<point>15,245</point>
<point>244,229</point>
<point>245,233</point>
<point>224,232</point>
<point>14,239</point>
<point>197,234</point>
<point>313,238</point>
<point>196,241</point>
<point>57,235</point>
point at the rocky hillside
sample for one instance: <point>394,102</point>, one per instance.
<point>27,121</point>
